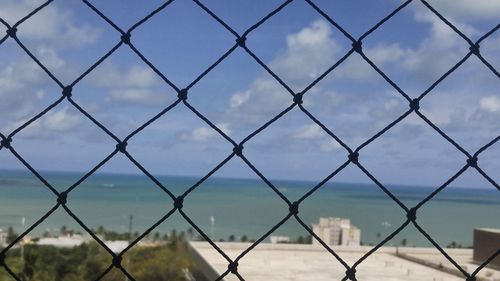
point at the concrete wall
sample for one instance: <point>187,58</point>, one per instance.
<point>486,243</point>
<point>202,265</point>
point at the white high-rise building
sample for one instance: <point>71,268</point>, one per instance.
<point>337,231</point>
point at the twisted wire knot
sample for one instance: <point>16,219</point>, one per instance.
<point>351,273</point>
<point>474,49</point>
<point>12,32</point>
<point>238,150</point>
<point>117,261</point>
<point>126,38</point>
<point>297,99</point>
<point>294,208</point>
<point>472,162</point>
<point>353,157</point>
<point>179,202</point>
<point>233,267</point>
<point>241,41</point>
<point>67,91</point>
<point>412,214</point>
<point>62,198</point>
<point>6,142</point>
<point>122,146</point>
<point>357,46</point>
<point>415,104</point>
<point>183,94</point>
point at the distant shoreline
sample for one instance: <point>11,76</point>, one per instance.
<point>309,183</point>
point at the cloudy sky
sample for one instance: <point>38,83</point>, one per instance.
<point>414,49</point>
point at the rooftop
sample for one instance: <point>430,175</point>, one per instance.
<point>287,262</point>
<point>494,230</point>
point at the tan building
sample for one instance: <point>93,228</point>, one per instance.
<point>486,243</point>
<point>337,231</point>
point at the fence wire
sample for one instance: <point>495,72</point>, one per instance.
<point>126,40</point>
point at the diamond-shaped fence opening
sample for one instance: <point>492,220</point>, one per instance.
<point>127,36</point>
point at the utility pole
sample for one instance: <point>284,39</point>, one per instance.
<point>130,229</point>
<point>212,227</point>
<point>23,222</point>
<point>130,219</point>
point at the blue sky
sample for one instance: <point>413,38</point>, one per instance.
<point>414,48</point>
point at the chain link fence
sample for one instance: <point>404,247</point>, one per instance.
<point>236,148</point>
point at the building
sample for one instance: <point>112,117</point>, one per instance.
<point>337,231</point>
<point>486,243</point>
<point>66,241</point>
<point>279,239</point>
<point>291,262</point>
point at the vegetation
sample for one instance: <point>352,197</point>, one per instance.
<point>11,235</point>
<point>304,240</point>
<point>166,261</point>
<point>454,244</point>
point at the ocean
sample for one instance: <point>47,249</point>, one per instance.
<point>244,206</point>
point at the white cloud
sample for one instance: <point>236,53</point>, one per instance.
<point>51,25</point>
<point>23,84</point>
<point>54,121</point>
<point>490,103</point>
<point>137,84</point>
<point>202,134</point>
<point>358,113</point>
<point>312,131</point>
<point>391,104</point>
<point>309,53</point>
<point>386,53</point>
<point>239,99</point>
<point>61,121</point>
<point>356,68</point>
<point>315,134</point>
<point>467,9</point>
<point>437,53</point>
<point>329,145</point>
<point>50,57</point>
<point>264,99</point>
<point>21,88</point>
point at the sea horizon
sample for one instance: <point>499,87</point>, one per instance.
<point>256,178</point>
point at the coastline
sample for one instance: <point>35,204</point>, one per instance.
<point>245,207</point>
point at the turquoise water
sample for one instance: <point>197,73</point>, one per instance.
<point>244,206</point>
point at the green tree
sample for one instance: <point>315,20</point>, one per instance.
<point>11,235</point>
<point>244,238</point>
<point>156,237</point>
<point>63,230</point>
<point>231,238</point>
<point>88,261</point>
<point>300,240</point>
<point>404,242</point>
<point>190,233</point>
<point>101,230</point>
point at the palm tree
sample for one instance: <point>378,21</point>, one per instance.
<point>63,230</point>
<point>244,238</point>
<point>190,233</point>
